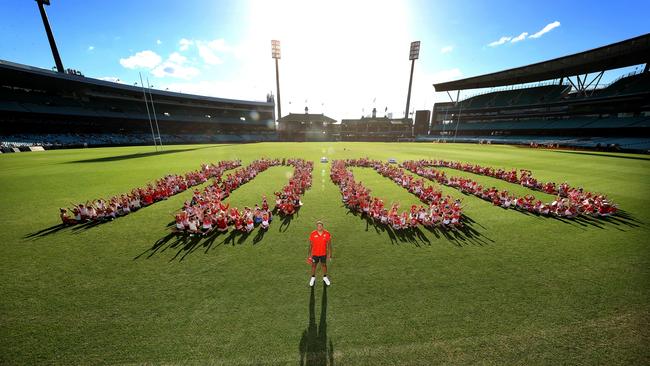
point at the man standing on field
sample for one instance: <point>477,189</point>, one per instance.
<point>319,250</point>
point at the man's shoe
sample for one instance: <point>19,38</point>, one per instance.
<point>326,280</point>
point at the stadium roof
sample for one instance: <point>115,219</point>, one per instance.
<point>633,51</point>
<point>31,75</point>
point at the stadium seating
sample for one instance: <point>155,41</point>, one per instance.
<point>515,97</point>
<point>41,107</point>
<point>630,84</point>
<point>638,144</point>
<point>559,124</point>
<point>106,139</point>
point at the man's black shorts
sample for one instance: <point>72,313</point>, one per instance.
<point>319,258</point>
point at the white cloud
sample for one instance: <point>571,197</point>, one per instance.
<point>549,27</point>
<point>185,44</point>
<point>90,48</point>
<point>208,56</point>
<point>219,45</point>
<point>175,67</point>
<point>519,38</point>
<point>501,41</point>
<point>524,35</point>
<point>158,42</point>
<point>446,49</point>
<point>146,59</point>
<point>208,50</point>
<point>177,58</point>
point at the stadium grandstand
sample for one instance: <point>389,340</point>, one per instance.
<point>307,127</point>
<point>54,109</point>
<point>376,129</point>
<point>558,102</point>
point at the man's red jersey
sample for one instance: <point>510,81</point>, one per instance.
<point>319,242</point>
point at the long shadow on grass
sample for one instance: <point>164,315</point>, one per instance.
<point>47,231</point>
<point>142,155</point>
<point>61,228</point>
<point>182,244</point>
<point>467,234</point>
<point>185,244</point>
<point>73,228</point>
<point>620,221</point>
<point>286,219</point>
<point>601,155</point>
<point>315,349</point>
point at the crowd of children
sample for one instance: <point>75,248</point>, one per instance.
<point>507,175</point>
<point>207,212</point>
<point>287,200</point>
<point>439,211</point>
<point>125,203</point>
<point>570,202</point>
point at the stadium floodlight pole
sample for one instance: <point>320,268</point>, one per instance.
<point>50,35</point>
<point>414,54</point>
<point>155,118</point>
<point>275,53</point>
<point>146,104</point>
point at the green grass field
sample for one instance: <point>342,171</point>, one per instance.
<point>520,289</point>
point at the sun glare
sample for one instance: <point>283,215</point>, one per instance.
<point>331,44</point>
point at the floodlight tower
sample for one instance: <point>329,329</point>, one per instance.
<point>275,53</point>
<point>413,55</point>
<point>50,36</point>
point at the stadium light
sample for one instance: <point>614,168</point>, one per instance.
<point>275,54</point>
<point>275,49</point>
<point>50,35</point>
<point>414,54</point>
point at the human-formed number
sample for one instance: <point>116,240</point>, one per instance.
<point>207,212</point>
<point>439,211</point>
<point>99,210</point>
<point>570,202</point>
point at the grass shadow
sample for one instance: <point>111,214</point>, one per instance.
<point>142,155</point>
<point>315,349</point>
<point>73,228</point>
<point>259,236</point>
<point>186,244</point>
<point>619,222</point>
<point>47,231</point>
<point>467,234</point>
<point>601,154</point>
<point>286,220</point>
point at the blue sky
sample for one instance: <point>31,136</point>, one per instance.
<point>338,57</point>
